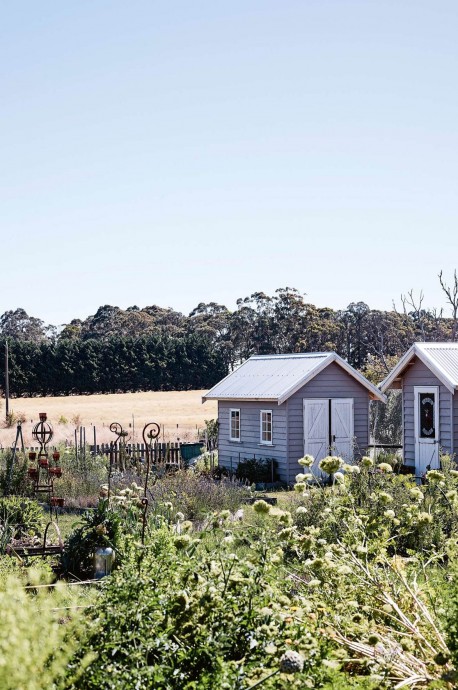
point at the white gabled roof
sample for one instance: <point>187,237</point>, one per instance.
<point>277,377</point>
<point>440,358</point>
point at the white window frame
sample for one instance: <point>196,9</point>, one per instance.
<point>261,440</point>
<point>234,438</point>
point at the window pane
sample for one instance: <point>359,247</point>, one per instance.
<point>427,402</point>
<point>266,427</point>
<point>235,424</point>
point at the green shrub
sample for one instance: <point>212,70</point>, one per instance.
<point>81,478</point>
<point>182,614</point>
<point>13,477</point>
<point>256,470</point>
<point>22,515</point>
<point>39,631</point>
<point>99,527</point>
<point>195,494</point>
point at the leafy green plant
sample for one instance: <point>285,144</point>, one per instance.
<point>212,430</point>
<point>36,641</point>
<point>81,478</point>
<point>23,515</point>
<point>13,474</point>
<point>256,470</point>
<point>99,527</point>
<point>204,618</point>
<point>196,494</point>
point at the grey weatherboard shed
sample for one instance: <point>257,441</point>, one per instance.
<point>427,375</point>
<point>283,406</point>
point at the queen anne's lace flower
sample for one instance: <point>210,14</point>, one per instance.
<point>330,464</point>
<point>182,541</point>
<point>351,469</point>
<point>261,507</point>
<point>366,461</point>
<point>416,493</point>
<point>344,570</point>
<point>385,498</point>
<point>424,519</point>
<point>385,467</point>
<point>306,461</point>
<point>434,476</point>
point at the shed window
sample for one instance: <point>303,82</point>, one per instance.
<point>234,431</point>
<point>266,426</point>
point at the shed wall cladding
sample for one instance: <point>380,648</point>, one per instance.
<point>249,444</point>
<point>455,424</point>
<point>332,382</point>
<point>418,374</point>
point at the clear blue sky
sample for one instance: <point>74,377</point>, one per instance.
<point>175,152</point>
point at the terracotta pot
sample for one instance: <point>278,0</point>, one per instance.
<point>32,472</point>
<point>43,416</point>
<point>44,462</point>
<point>32,455</point>
<point>56,455</point>
<point>55,471</point>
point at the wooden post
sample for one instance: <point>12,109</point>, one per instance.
<point>95,441</point>
<point>76,445</point>
<point>7,382</point>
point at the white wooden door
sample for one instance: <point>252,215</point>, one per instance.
<point>316,428</point>
<point>426,416</point>
<point>342,428</point>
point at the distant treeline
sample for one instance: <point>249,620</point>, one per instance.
<point>114,365</point>
<point>154,348</point>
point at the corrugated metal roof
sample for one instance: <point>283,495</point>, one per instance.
<point>445,356</point>
<point>276,377</point>
<point>441,358</point>
<point>267,376</point>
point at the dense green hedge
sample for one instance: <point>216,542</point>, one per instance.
<point>155,362</point>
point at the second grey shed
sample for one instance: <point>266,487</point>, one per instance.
<point>285,406</point>
<point>428,376</point>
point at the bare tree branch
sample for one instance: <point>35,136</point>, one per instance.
<point>451,294</point>
<point>415,304</point>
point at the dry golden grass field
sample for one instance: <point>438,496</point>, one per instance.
<point>179,413</point>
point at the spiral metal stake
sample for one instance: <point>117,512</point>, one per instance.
<point>148,438</point>
<point>150,433</point>
<point>115,428</point>
<point>144,502</point>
